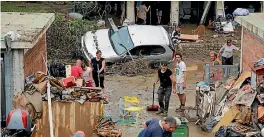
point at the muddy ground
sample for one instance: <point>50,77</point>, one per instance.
<point>195,54</point>
<point>141,86</point>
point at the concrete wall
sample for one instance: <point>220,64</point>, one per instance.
<point>174,17</point>
<point>252,49</point>
<point>130,11</point>
<point>33,58</point>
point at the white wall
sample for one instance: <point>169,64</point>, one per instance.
<point>130,11</point>
<point>174,17</point>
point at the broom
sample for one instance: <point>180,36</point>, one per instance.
<point>153,107</point>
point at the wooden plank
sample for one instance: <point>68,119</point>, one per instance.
<point>69,117</point>
<point>188,37</point>
<point>228,117</point>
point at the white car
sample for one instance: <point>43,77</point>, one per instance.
<point>118,44</point>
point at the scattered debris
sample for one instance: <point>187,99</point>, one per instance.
<point>188,37</point>
<point>131,68</point>
<point>106,128</point>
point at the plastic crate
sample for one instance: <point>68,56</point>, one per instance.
<point>181,131</point>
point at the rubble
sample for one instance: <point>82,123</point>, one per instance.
<point>236,102</point>
<point>106,128</point>
<point>131,68</point>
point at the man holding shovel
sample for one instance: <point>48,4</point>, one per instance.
<point>167,85</point>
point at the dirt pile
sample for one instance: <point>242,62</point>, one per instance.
<point>131,68</point>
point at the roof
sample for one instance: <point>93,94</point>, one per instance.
<point>30,27</point>
<point>254,22</point>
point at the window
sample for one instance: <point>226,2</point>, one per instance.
<point>120,38</point>
<point>147,50</point>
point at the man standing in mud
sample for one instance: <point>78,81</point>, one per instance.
<point>180,81</point>
<point>167,84</point>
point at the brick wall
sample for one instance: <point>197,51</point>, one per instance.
<point>33,60</point>
<point>253,50</point>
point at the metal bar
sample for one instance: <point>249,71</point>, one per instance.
<point>205,12</point>
<point>49,100</point>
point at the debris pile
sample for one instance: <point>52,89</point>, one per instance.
<point>131,68</point>
<point>235,106</point>
<point>65,89</point>
<point>106,128</point>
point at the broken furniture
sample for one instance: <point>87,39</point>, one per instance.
<point>187,37</point>
<point>132,106</point>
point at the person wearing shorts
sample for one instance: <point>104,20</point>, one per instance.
<point>180,81</point>
<point>159,15</point>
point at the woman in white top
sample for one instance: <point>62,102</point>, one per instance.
<point>88,76</point>
<point>227,53</point>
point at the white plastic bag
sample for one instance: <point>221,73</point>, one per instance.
<point>13,35</point>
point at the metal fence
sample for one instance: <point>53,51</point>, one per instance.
<point>219,72</point>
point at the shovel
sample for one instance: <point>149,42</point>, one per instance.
<point>153,107</point>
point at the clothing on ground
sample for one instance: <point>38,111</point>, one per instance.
<point>154,129</point>
<point>164,77</point>
<point>180,68</point>
<point>227,51</point>
<point>76,71</point>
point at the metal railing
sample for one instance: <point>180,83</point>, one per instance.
<point>219,72</point>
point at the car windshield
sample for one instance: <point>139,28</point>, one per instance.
<point>121,40</point>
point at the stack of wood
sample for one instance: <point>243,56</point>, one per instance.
<point>106,128</point>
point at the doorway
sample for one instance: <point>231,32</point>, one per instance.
<point>152,19</point>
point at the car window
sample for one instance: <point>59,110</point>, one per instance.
<point>122,38</point>
<point>147,50</point>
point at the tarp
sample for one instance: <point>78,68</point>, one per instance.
<point>240,12</point>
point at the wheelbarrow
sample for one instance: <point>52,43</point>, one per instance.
<point>182,130</point>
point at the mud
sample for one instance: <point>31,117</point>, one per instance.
<point>141,87</point>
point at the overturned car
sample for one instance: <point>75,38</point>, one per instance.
<point>129,42</point>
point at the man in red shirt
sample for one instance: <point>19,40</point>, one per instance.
<point>76,70</point>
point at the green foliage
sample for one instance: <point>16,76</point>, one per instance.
<point>23,7</point>
<point>64,37</point>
